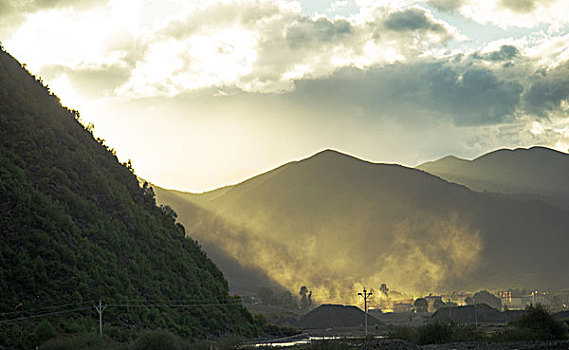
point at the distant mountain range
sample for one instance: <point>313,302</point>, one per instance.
<point>337,223</point>
<point>538,172</point>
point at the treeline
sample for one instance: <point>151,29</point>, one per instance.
<point>285,299</point>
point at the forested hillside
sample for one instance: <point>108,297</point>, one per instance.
<point>76,227</point>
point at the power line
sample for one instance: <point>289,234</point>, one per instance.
<point>146,302</point>
<point>101,307</point>
<point>44,308</point>
<point>44,315</point>
<point>174,305</point>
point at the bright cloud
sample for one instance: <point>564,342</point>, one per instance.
<point>257,46</point>
<point>509,13</point>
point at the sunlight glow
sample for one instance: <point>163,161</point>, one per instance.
<point>64,90</point>
<point>199,61</point>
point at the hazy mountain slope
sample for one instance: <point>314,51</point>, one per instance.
<point>77,227</point>
<point>537,171</point>
<point>244,279</point>
<point>337,223</point>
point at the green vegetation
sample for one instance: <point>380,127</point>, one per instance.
<point>80,342</point>
<point>421,305</point>
<point>44,332</point>
<point>435,333</point>
<point>268,297</point>
<point>536,324</point>
<point>150,340</point>
<point>77,227</point>
<point>273,329</point>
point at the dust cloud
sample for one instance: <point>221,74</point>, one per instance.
<point>420,254</point>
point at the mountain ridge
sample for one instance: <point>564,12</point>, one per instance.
<point>365,213</point>
<point>536,173</point>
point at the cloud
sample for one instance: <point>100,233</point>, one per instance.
<point>477,96</point>
<point>525,6</point>
<point>254,45</point>
<point>505,53</point>
<point>266,45</point>
<point>509,13</point>
<point>549,90</point>
<point>14,12</point>
<point>418,93</point>
<point>411,20</point>
<point>447,5</point>
<point>306,32</point>
<point>91,81</point>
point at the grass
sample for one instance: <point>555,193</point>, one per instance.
<point>435,333</point>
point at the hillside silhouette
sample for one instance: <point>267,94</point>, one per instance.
<point>77,227</point>
<point>335,222</point>
<point>537,172</point>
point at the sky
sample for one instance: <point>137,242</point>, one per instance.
<point>202,94</point>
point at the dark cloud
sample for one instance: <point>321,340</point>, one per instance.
<point>13,12</point>
<point>475,97</point>
<point>415,92</point>
<point>411,20</point>
<point>307,32</point>
<point>522,6</point>
<point>548,89</point>
<point>506,52</point>
<point>525,6</point>
<point>446,5</point>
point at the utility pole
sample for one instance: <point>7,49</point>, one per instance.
<point>475,316</point>
<point>100,309</point>
<point>365,295</point>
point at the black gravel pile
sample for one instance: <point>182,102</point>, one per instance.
<point>335,316</point>
<point>389,344</point>
<point>396,344</point>
<point>522,345</point>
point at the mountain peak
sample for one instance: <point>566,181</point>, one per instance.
<point>535,151</point>
<point>331,155</point>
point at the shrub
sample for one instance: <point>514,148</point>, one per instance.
<point>435,333</point>
<point>536,324</point>
<point>78,342</point>
<point>44,332</point>
<point>157,340</point>
<point>329,345</point>
<point>402,332</point>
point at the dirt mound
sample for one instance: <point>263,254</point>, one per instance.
<point>468,314</point>
<point>335,316</point>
